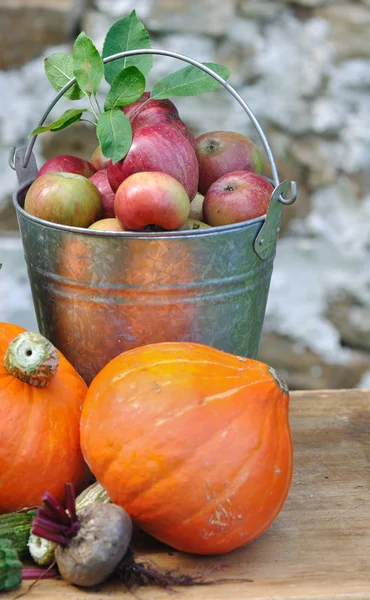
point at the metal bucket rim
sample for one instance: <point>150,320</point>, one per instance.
<point>130,234</point>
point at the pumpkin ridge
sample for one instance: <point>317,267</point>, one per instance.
<point>228,393</point>
<point>150,486</point>
<point>289,468</point>
<point>158,363</point>
<point>160,420</point>
<point>16,457</point>
<point>237,482</point>
<point>206,400</point>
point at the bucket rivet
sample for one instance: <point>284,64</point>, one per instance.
<point>260,242</point>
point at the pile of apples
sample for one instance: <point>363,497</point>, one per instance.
<point>169,180</point>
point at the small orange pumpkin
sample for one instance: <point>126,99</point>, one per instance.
<point>193,442</point>
<point>41,397</point>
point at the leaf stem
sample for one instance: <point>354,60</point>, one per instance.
<point>97,103</point>
<point>139,109</point>
<point>91,106</point>
<point>88,121</point>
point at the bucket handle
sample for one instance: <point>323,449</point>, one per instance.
<point>265,241</point>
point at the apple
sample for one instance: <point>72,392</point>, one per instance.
<point>66,163</point>
<point>98,160</point>
<point>222,152</point>
<point>196,208</point>
<point>180,125</point>
<point>193,224</point>
<point>64,198</point>
<point>156,111</point>
<point>107,225</point>
<point>145,118</point>
<point>153,105</point>
<point>151,198</point>
<point>131,108</point>
<point>159,147</point>
<point>237,197</point>
<point>101,182</point>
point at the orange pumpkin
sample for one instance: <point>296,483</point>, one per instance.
<point>193,442</point>
<point>39,426</point>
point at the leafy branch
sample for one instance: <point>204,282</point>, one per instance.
<point>126,77</point>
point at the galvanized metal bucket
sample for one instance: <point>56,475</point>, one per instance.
<point>97,294</point>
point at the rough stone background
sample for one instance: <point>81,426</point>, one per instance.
<point>304,68</point>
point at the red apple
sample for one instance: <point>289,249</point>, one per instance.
<point>162,148</point>
<point>64,198</point>
<point>98,160</point>
<point>131,108</point>
<point>151,198</point>
<point>180,125</point>
<point>66,163</point>
<point>156,116</point>
<point>107,225</point>
<point>101,182</point>
<point>196,208</point>
<point>236,197</point>
<point>161,105</point>
<point>222,152</point>
<point>156,111</point>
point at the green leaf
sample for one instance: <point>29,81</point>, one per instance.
<point>127,87</point>
<point>69,117</point>
<point>67,123</point>
<point>88,65</point>
<point>189,81</point>
<point>128,33</point>
<point>114,133</point>
<point>59,71</point>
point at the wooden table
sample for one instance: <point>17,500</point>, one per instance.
<point>319,546</point>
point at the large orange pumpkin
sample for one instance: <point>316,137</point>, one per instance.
<point>193,442</point>
<point>39,426</point>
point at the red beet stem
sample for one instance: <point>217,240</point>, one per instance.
<point>55,507</point>
<point>71,500</point>
<point>57,538</point>
<point>39,574</point>
<point>52,522</point>
<point>45,513</point>
<point>73,530</point>
<point>49,525</point>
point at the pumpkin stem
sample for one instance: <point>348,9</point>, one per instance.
<point>32,358</point>
<point>279,380</point>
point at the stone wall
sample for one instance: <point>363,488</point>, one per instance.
<point>304,68</point>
